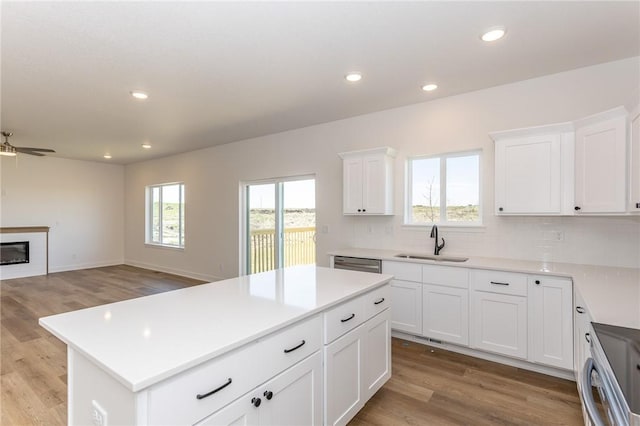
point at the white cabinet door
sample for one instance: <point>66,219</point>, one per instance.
<point>294,397</point>
<point>377,353</point>
<point>241,412</point>
<point>406,306</point>
<point>445,313</point>
<point>499,323</point>
<point>352,195</point>
<point>551,321</point>
<point>528,178</point>
<point>634,164</point>
<point>374,185</point>
<point>601,163</point>
<point>343,393</point>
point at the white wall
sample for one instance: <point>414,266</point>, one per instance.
<point>81,201</point>
<point>456,123</point>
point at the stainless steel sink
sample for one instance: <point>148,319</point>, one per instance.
<point>438,258</point>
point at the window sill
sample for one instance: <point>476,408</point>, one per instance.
<point>448,227</point>
<point>162,246</point>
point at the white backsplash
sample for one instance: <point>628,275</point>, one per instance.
<point>612,241</point>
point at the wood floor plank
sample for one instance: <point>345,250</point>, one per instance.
<point>429,386</point>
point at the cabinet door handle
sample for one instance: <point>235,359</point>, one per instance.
<point>637,205</point>
<point>587,337</point>
<point>286,351</point>
<point>498,283</point>
<point>580,309</point>
<point>256,402</point>
<point>537,282</point>
<point>500,209</point>
<point>379,301</point>
<point>268,395</point>
<point>348,319</point>
<point>200,396</point>
<point>576,208</point>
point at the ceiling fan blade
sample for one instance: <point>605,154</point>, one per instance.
<point>24,149</point>
<point>30,153</point>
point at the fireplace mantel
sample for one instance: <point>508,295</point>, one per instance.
<point>38,235</point>
<point>23,229</point>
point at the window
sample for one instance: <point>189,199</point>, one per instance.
<point>165,215</point>
<point>443,190</point>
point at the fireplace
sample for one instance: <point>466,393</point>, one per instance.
<point>14,253</point>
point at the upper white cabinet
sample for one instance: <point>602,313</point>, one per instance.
<point>368,181</point>
<point>601,162</point>
<point>534,170</point>
<point>571,168</point>
<point>634,161</point>
<point>551,321</point>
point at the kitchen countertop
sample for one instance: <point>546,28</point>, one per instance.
<point>145,340</point>
<point>612,294</point>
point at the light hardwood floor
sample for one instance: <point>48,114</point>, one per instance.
<point>428,386</point>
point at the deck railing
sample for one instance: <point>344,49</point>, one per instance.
<point>299,248</point>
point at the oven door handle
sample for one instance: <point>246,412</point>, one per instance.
<point>587,393</point>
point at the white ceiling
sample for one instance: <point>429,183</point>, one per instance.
<point>223,72</point>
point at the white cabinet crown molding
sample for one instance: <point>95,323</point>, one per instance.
<point>385,150</point>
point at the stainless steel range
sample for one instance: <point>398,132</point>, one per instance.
<point>614,370</point>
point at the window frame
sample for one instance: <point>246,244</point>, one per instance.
<point>408,199</point>
<point>149,216</point>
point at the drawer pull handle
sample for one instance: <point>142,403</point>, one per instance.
<point>580,309</point>
<point>199,396</point>
<point>379,301</point>
<point>587,337</point>
<point>256,402</point>
<point>268,395</point>
<point>286,351</point>
<point>498,283</point>
<point>348,319</point>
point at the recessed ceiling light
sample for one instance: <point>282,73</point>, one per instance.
<point>107,156</point>
<point>429,87</point>
<point>139,95</point>
<point>146,145</point>
<point>353,77</point>
<point>494,34</point>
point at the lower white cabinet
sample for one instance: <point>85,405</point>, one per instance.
<point>406,313</point>
<point>550,321</point>
<point>292,398</point>
<point>377,353</point>
<point>445,313</point>
<point>499,323</point>
<point>356,366</point>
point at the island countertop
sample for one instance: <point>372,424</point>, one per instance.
<point>612,294</point>
<point>143,341</point>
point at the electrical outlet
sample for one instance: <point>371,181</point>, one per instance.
<point>98,414</point>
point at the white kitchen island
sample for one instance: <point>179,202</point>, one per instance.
<point>300,345</point>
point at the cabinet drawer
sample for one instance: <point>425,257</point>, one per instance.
<point>403,270</point>
<point>343,318</point>
<point>499,282</point>
<point>175,401</point>
<point>377,301</point>
<point>445,275</point>
<point>285,348</point>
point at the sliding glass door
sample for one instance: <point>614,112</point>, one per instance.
<point>280,224</point>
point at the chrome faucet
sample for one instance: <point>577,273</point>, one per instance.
<point>434,234</point>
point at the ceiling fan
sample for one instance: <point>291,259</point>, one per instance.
<point>9,150</point>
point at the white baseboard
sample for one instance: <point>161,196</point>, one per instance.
<point>550,371</point>
<point>174,271</point>
<point>89,265</point>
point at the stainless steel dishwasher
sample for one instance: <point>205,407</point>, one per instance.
<point>357,264</point>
